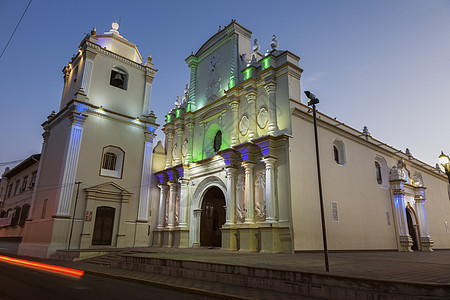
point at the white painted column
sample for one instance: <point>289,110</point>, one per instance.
<point>162,205</point>
<point>87,70</point>
<point>169,146</point>
<point>271,92</point>
<point>235,129</point>
<point>171,204</point>
<point>183,203</point>
<point>249,192</point>
<point>399,201</point>
<point>144,196</point>
<point>231,195</point>
<point>70,164</point>
<point>420,211</point>
<point>190,129</point>
<point>147,94</point>
<point>251,98</point>
<point>195,231</point>
<point>179,134</point>
<point>270,197</point>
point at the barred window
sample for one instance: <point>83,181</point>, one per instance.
<point>109,161</point>
<point>378,172</point>
<point>218,141</point>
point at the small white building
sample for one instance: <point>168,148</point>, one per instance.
<point>239,166</point>
<point>93,184</point>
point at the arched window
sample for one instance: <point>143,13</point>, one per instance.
<point>339,152</point>
<point>119,78</point>
<point>381,172</point>
<point>109,161</point>
<point>218,141</point>
<point>112,162</point>
<point>378,172</point>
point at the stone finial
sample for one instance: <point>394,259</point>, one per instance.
<point>94,31</point>
<point>407,152</point>
<point>177,102</point>
<point>366,131</point>
<point>114,27</point>
<point>51,116</point>
<point>274,43</point>
<point>220,27</point>
<point>255,46</point>
<point>438,167</point>
<point>186,90</point>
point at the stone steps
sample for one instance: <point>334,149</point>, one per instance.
<point>294,282</point>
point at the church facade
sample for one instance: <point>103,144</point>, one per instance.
<point>239,168</point>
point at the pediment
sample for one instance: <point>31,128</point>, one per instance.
<point>109,188</point>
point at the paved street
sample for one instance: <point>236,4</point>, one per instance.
<point>18,283</point>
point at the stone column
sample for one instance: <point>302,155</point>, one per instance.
<point>195,231</point>
<point>190,130</point>
<point>169,135</point>
<point>179,134</point>
<point>171,204</point>
<point>402,228</point>
<point>144,196</point>
<point>162,205</point>
<point>426,241</point>
<point>183,203</point>
<point>231,195</point>
<point>271,197</point>
<point>249,192</point>
<point>70,164</point>
<point>251,98</point>
<point>271,92</point>
<point>192,63</point>
<point>235,124</point>
<point>87,70</point>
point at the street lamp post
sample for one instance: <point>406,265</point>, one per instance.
<point>444,160</point>
<point>312,102</point>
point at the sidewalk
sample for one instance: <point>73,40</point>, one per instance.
<point>427,269</point>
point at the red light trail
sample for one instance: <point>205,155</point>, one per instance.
<point>42,266</point>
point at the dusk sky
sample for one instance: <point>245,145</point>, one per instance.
<point>380,64</point>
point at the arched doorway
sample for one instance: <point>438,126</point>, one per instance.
<point>212,218</point>
<point>413,230</point>
<point>103,228</point>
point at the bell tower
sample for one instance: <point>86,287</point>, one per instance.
<point>97,152</point>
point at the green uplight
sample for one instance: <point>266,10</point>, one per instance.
<point>168,117</point>
<point>232,83</point>
<point>247,73</point>
<point>188,108</point>
<point>178,113</point>
<point>265,63</point>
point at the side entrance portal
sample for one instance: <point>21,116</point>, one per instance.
<point>212,218</point>
<point>103,228</point>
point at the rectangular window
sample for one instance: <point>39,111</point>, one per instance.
<point>334,212</point>
<point>24,184</point>
<point>44,208</point>
<point>16,188</point>
<point>33,179</point>
<point>8,194</point>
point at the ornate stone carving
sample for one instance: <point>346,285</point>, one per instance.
<point>260,190</point>
<point>263,118</point>
<point>244,125</point>
<point>240,198</point>
<point>213,86</point>
<point>185,148</point>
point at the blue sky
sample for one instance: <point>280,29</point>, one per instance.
<point>381,64</point>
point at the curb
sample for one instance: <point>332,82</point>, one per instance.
<point>171,286</point>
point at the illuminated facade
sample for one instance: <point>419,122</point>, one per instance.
<point>93,184</point>
<point>239,172</point>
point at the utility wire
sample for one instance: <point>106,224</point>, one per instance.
<point>15,29</point>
